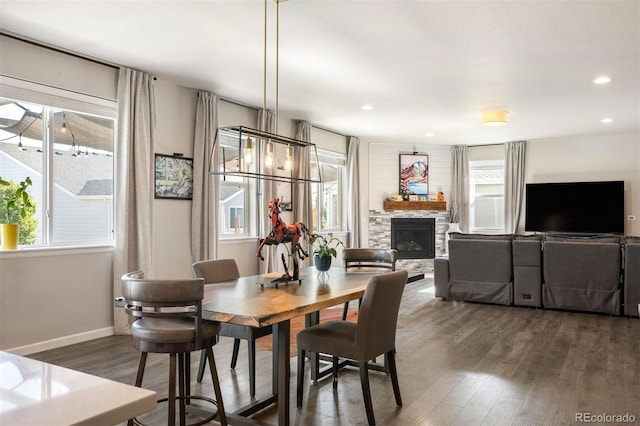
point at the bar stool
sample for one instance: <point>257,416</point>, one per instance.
<point>168,319</point>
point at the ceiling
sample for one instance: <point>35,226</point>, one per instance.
<point>426,67</point>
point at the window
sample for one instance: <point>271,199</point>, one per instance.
<point>236,202</point>
<point>327,197</point>
<point>64,143</point>
<point>486,188</point>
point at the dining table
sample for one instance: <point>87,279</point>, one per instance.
<point>257,301</point>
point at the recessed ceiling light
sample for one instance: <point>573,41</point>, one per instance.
<point>607,120</point>
<point>367,107</point>
<point>429,135</point>
<point>602,80</point>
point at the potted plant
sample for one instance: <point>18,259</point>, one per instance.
<point>15,205</point>
<point>324,249</point>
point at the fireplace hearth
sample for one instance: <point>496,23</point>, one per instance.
<point>414,238</point>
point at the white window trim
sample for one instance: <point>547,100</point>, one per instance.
<point>53,97</point>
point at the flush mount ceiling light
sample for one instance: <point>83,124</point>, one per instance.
<point>251,153</point>
<point>494,118</point>
<point>607,120</point>
<point>367,107</point>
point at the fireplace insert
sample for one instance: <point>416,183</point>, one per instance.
<point>414,238</point>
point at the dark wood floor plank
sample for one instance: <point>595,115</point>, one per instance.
<point>458,363</point>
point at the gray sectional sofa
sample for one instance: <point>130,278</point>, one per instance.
<point>583,273</point>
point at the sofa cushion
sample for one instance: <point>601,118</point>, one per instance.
<point>585,266</point>
<point>631,240</point>
<point>531,237</point>
<point>596,239</point>
<point>527,252</point>
<point>480,260</point>
<point>463,236</point>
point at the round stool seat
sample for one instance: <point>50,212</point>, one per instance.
<point>170,330</point>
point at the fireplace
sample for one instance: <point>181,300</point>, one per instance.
<point>414,238</point>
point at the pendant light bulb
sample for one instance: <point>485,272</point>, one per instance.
<point>268,161</point>
<point>248,151</point>
<point>288,161</point>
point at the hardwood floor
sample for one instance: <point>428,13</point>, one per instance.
<point>458,363</point>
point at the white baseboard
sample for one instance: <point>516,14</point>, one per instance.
<point>61,341</point>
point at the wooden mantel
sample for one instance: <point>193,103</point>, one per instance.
<point>415,205</point>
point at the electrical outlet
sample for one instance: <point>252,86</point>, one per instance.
<point>631,217</point>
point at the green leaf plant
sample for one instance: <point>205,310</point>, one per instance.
<point>15,201</point>
<point>325,246</point>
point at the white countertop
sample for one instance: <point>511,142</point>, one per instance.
<point>36,393</point>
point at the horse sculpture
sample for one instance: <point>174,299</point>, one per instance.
<point>283,233</point>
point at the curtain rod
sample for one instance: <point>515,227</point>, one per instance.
<point>328,130</point>
<point>487,144</point>
<point>59,50</point>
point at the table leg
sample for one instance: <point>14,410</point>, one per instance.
<point>283,330</point>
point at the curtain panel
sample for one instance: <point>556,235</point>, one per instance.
<point>268,190</point>
<point>459,200</point>
<point>302,202</point>
<point>134,167</point>
<point>513,184</point>
<point>353,192</point>
<point>206,187</point>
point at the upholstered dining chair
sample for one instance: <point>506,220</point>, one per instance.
<point>168,319</point>
<point>368,258</point>
<point>216,271</point>
<point>374,334</point>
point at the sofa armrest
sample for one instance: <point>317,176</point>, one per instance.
<point>441,276</point>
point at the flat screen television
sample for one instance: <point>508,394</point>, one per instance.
<point>575,207</point>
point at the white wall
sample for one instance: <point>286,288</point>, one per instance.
<point>384,169</point>
<point>53,297</point>
<point>589,158</point>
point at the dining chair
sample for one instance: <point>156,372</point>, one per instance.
<point>374,334</point>
<point>216,271</point>
<point>168,319</point>
<point>368,258</point>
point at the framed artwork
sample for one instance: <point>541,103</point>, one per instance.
<point>173,177</point>
<point>414,174</point>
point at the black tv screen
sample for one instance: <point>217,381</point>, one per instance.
<point>575,207</point>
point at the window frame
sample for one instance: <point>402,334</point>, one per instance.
<point>53,99</point>
<point>485,165</point>
<point>327,157</point>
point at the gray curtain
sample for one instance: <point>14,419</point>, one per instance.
<point>513,184</point>
<point>459,199</point>
<point>134,165</point>
<point>353,192</point>
<point>206,187</point>
<point>302,202</point>
<point>268,190</point>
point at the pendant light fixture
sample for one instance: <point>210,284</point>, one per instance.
<point>276,160</point>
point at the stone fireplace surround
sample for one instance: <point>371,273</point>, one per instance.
<point>380,234</point>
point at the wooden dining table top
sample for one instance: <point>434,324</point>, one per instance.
<point>256,302</point>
